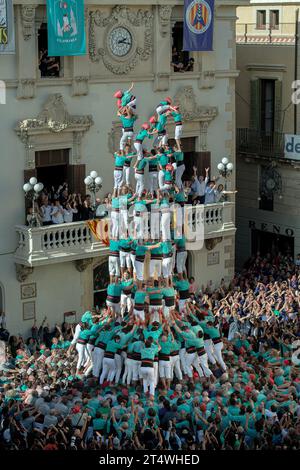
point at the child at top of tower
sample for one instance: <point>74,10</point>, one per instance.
<point>126,101</point>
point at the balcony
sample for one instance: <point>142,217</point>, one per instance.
<point>56,244</point>
<point>209,221</point>
<point>281,34</point>
<point>75,241</point>
<point>253,142</point>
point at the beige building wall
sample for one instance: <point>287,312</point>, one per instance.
<point>207,95</point>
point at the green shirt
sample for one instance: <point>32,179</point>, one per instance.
<point>114,290</point>
<point>142,134</point>
<point>128,122</point>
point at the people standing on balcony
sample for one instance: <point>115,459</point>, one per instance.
<point>210,192</point>
<point>57,213</point>
<point>87,211</point>
<point>198,186</point>
<point>46,209</point>
<point>68,213</point>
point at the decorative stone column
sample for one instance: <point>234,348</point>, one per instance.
<point>26,52</point>
<point>162,47</point>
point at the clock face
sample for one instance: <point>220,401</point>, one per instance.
<point>120,41</point>
<point>270,184</point>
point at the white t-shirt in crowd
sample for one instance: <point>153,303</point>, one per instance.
<point>57,216</point>
<point>68,215</point>
<point>46,211</point>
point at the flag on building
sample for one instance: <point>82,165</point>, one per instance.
<point>100,230</point>
<point>66,28</point>
<point>198,25</point>
<point>7,34</point>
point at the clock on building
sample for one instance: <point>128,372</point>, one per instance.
<point>120,41</point>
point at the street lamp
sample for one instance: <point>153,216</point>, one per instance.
<point>32,191</point>
<point>94,184</point>
<point>225,168</point>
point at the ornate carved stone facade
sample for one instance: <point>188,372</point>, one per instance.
<point>22,272</point>
<point>54,118</point>
<point>189,108</point>
<point>165,12</point>
<point>121,15</point>
<point>27,18</point>
<point>82,264</point>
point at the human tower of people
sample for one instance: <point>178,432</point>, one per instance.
<point>150,331</point>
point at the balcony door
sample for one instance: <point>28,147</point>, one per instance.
<point>192,158</point>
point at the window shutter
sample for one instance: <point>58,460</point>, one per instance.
<point>202,161</point>
<point>255,93</point>
<point>76,175</point>
<point>278,106</point>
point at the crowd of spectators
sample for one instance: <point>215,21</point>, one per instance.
<point>254,405</point>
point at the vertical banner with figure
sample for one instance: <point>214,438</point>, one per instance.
<point>198,25</point>
<point>66,28</point>
<point>7,34</point>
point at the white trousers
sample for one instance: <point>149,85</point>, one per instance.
<point>126,302</point>
<point>178,176</point>
<point>204,365</point>
<point>82,356</point>
<point>115,306</point>
<point>114,224</point>
<point>182,356</point>
<point>161,179</point>
<point>155,267</point>
<point>125,260</point>
<point>118,367</point>
<point>126,175</point>
<point>193,361</point>
<point>141,226</point>
<point>139,150</point>
<point>160,109</point>
<point>114,266</point>
<point>147,374</point>
<point>153,182</point>
<point>178,132</point>
<point>118,179</point>
<point>139,269</point>
<point>167,267</point>
<point>175,367</point>
<point>97,361</point>
<point>108,370</point>
<point>125,136</point>
<point>217,349</point>
<point>166,226</point>
<point>208,344</point>
<point>162,139</point>
<point>140,314</point>
<point>181,257</point>
<point>165,369</point>
<point>140,184</point>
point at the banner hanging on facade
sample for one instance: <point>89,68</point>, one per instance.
<point>66,28</point>
<point>7,34</point>
<point>198,25</point>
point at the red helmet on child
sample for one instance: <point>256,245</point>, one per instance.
<point>118,94</point>
<point>152,120</point>
<point>145,126</point>
<point>168,100</point>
